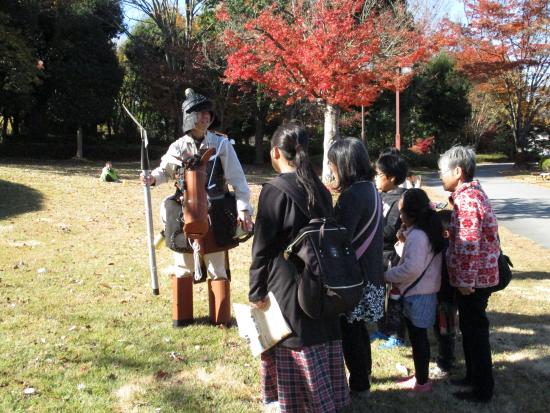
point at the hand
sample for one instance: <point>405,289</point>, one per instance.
<point>150,179</point>
<point>245,221</point>
<point>466,290</point>
<point>401,233</point>
<point>260,304</point>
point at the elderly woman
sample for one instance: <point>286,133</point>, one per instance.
<point>472,259</point>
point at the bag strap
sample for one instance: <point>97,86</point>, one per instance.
<point>215,159</point>
<point>376,213</point>
<point>410,287</point>
<point>293,193</point>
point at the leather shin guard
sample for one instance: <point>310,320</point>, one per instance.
<point>182,301</point>
<point>219,300</point>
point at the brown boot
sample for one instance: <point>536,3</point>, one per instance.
<point>182,301</point>
<point>220,301</point>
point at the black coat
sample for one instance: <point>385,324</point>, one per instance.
<point>392,221</point>
<point>278,221</point>
<point>354,208</point>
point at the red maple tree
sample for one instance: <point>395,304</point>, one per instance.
<point>330,51</point>
<point>505,48</point>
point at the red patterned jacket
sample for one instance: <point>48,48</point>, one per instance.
<point>472,256</point>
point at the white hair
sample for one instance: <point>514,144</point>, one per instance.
<point>461,156</point>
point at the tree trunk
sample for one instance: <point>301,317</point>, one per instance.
<point>331,133</point>
<point>15,125</point>
<point>520,143</point>
<point>4,127</point>
<point>259,136</point>
<point>79,134</point>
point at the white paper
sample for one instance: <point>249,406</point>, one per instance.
<point>261,328</point>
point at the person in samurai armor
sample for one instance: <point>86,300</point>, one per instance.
<point>223,168</point>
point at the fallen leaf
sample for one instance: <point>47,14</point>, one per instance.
<point>176,357</point>
<point>161,375</point>
<point>105,285</point>
<point>29,391</point>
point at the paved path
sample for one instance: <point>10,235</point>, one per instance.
<point>522,208</point>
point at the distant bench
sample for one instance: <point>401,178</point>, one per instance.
<point>545,175</point>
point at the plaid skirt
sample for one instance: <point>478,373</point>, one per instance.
<point>312,379</point>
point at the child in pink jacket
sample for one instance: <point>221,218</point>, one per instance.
<point>418,277</point>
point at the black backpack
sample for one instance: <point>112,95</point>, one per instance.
<point>330,278</point>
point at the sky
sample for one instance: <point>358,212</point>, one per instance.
<point>453,8</point>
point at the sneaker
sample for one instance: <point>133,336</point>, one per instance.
<point>272,407</point>
<point>405,379</point>
<point>411,384</point>
<point>437,372</point>
<point>403,370</point>
<point>390,343</point>
<point>378,335</point>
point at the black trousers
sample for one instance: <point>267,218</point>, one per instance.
<point>393,322</point>
<point>474,326</point>
<point>421,351</point>
<point>357,354</point>
<point>446,342</point>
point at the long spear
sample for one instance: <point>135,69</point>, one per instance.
<point>147,200</point>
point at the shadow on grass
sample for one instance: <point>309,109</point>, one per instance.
<point>18,199</point>
<point>530,275</point>
<point>126,170</point>
<point>515,208</point>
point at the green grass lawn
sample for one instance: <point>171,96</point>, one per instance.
<point>78,323</point>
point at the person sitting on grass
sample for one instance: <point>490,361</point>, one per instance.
<point>108,174</point>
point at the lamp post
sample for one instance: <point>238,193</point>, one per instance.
<point>400,71</point>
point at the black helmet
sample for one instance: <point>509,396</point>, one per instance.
<point>193,103</point>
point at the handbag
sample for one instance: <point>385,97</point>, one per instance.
<point>504,272</point>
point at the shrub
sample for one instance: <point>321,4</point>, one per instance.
<point>545,165</point>
<point>492,157</point>
<point>428,160</point>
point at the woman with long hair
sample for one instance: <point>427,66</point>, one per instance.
<point>304,372</point>
<point>359,209</point>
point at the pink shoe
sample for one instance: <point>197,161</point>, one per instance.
<point>411,384</point>
<point>404,379</point>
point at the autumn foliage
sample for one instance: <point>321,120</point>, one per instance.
<point>422,145</point>
<point>329,50</point>
<point>505,49</point>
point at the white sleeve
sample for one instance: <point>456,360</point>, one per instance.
<point>234,175</point>
<point>168,164</point>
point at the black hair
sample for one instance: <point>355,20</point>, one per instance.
<point>393,166</point>
<point>416,205</point>
<point>445,218</point>
<point>351,159</point>
<point>292,140</point>
<point>392,150</point>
